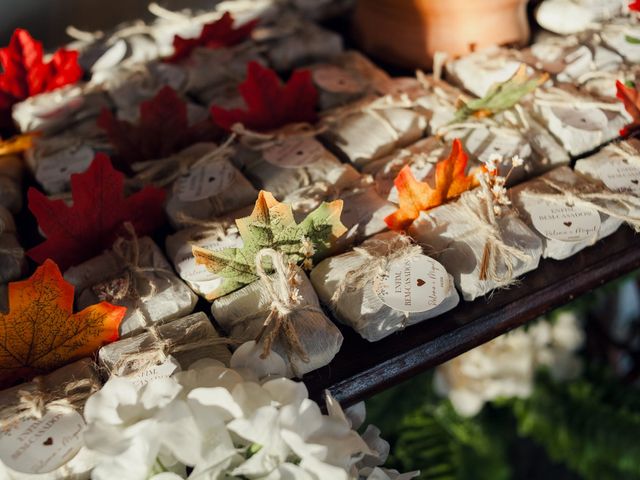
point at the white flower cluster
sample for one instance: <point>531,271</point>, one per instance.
<point>497,183</point>
<point>216,422</point>
<point>506,366</point>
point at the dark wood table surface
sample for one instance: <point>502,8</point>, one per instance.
<point>362,369</point>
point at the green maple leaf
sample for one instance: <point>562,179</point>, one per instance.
<point>271,225</point>
<point>502,96</point>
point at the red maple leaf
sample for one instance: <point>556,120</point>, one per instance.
<point>270,104</point>
<point>24,72</point>
<point>163,129</point>
<point>635,6</point>
<point>218,34</point>
<point>630,97</point>
<point>79,232</point>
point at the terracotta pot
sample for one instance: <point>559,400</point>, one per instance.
<point>409,32</point>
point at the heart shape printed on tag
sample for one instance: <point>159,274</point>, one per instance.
<point>48,441</point>
<point>420,282</point>
<point>568,224</point>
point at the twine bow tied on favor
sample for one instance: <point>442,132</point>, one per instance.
<point>481,215</point>
<point>377,255</point>
<point>37,402</point>
<point>595,197</point>
<point>286,304</point>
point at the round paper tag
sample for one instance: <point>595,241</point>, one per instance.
<point>294,152</point>
<point>618,175</point>
<point>336,80</point>
<point>414,284</point>
<point>590,119</point>
<point>205,181</point>
<point>41,446</point>
<point>60,166</point>
<point>564,221</point>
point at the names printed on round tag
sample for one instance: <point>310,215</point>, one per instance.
<point>590,119</point>
<point>149,374</point>
<point>564,221</point>
<point>336,80</point>
<point>205,181</point>
<point>413,284</point>
<point>294,152</point>
<point>619,175</point>
<point>37,446</point>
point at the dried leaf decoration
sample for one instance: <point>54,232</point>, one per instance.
<point>163,129</point>
<point>81,231</point>
<point>635,6</point>
<point>416,196</point>
<point>630,96</point>
<point>218,34</point>
<point>271,225</point>
<point>24,72</point>
<point>41,333</point>
<point>502,96</point>
<point>17,143</point>
<point>270,104</point>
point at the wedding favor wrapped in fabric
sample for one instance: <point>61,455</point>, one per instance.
<point>42,425</point>
<point>384,285</point>
<point>204,183</point>
<point>570,212</point>
<point>283,313</point>
<point>164,348</point>
<point>374,127</point>
<point>479,240</point>
<point>579,121</point>
<point>134,274</point>
<point>346,78</point>
<point>11,170</point>
<point>283,162</point>
<point>213,235</point>
<point>617,166</point>
<point>60,109</point>
<point>54,159</point>
<point>293,41</point>
<point>12,261</point>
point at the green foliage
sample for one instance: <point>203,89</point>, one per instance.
<point>592,425</point>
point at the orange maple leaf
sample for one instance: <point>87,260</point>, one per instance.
<point>416,196</point>
<point>630,97</point>
<point>41,333</point>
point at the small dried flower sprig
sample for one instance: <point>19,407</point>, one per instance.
<point>495,183</point>
<point>307,250</point>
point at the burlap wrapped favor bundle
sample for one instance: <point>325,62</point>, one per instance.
<point>289,162</point>
<point>42,425</point>
<point>163,349</point>
<point>12,261</point>
<point>617,166</point>
<point>206,67</point>
<point>581,60</point>
<point>421,157</point>
<point>482,250</point>
<point>363,211</point>
<point>133,274</point>
<point>282,312</point>
<point>477,72</point>
<point>292,42</point>
<point>11,171</point>
<point>506,135</point>
<point>374,127</point>
<point>346,78</point>
<point>580,122</point>
<point>59,109</point>
<point>204,183</point>
<point>214,235</point>
<point>350,285</point>
<point>569,212</point>
<point>54,159</point>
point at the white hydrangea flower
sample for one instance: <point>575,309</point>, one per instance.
<point>506,366</point>
<point>228,423</point>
